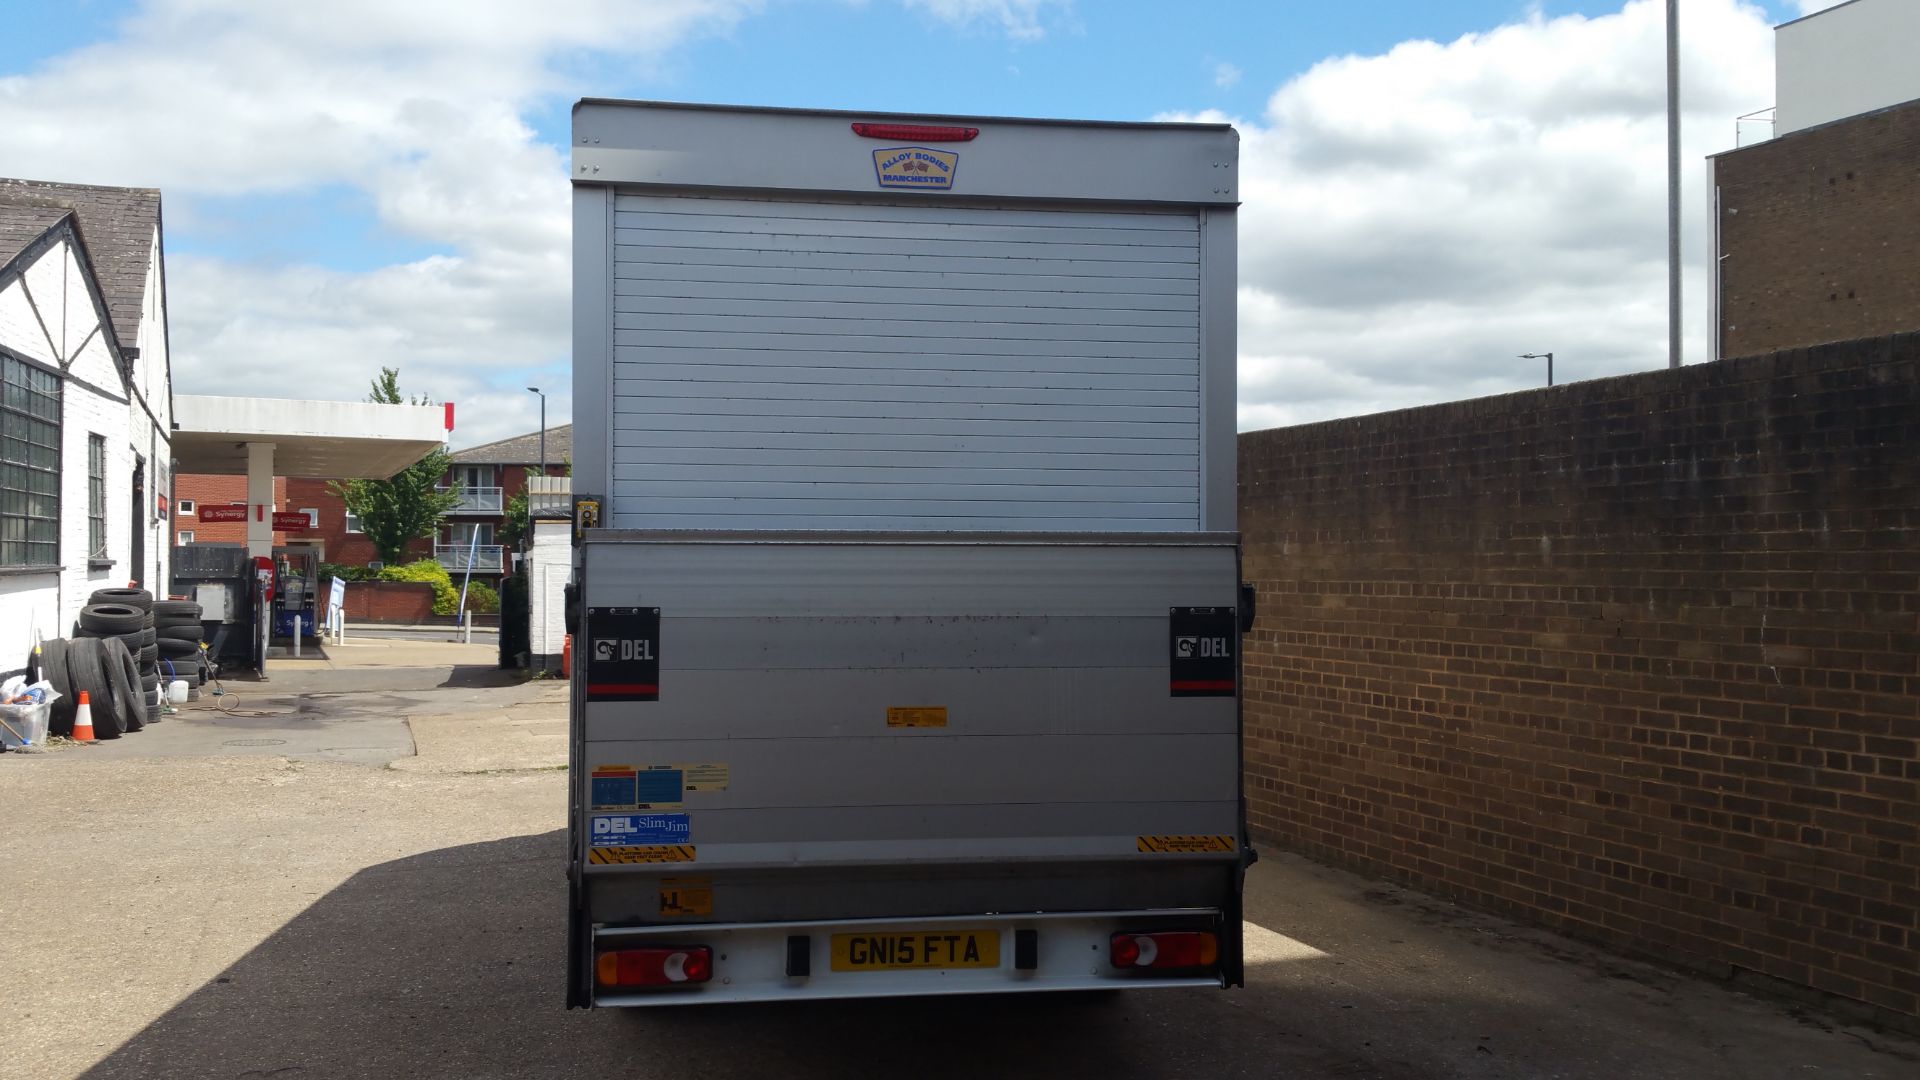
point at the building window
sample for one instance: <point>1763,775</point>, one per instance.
<point>186,507</point>
<point>313,517</point>
<point>353,522</point>
<point>97,496</point>
<point>186,536</point>
<point>29,465</point>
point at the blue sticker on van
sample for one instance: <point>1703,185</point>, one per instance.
<point>621,830</point>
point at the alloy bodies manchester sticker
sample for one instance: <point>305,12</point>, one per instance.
<point>623,654</point>
<point>915,167</point>
<point>1201,659</point>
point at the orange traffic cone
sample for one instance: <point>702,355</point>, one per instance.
<point>83,720</point>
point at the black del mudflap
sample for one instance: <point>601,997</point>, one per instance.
<point>622,654</point>
<point>1202,642</point>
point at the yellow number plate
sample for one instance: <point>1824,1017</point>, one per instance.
<point>921,949</point>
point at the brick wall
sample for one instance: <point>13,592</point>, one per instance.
<point>1818,229</point>
<point>1633,658</point>
<point>389,602</point>
<point>204,489</point>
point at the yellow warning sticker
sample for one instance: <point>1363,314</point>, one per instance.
<point>917,716</point>
<point>712,776</point>
<point>651,853</point>
<point>686,896</point>
<point>1182,845</point>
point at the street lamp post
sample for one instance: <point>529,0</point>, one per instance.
<point>1538,355</point>
<point>543,428</point>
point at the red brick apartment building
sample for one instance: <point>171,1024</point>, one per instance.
<point>485,478</point>
<point>1815,229</point>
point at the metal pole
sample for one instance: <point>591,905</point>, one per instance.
<point>296,637</point>
<point>543,434</point>
<point>1673,183</point>
<point>473,545</point>
<point>1549,369</point>
<point>265,618</point>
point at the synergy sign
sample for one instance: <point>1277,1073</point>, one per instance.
<point>915,167</point>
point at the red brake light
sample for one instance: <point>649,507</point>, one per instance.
<point>654,966</point>
<point>1165,949</point>
<point>916,132</point>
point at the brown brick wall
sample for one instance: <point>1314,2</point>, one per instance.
<point>389,602</point>
<point>1633,658</point>
<point>211,490</point>
<point>1819,230</point>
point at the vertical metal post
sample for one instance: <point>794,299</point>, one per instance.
<point>296,636</point>
<point>473,546</point>
<point>264,615</point>
<point>1673,183</point>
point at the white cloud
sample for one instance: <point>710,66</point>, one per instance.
<point>1808,7</point>
<point>417,104</point>
<point>1225,75</point>
<point>1415,220</point>
<point>1021,20</point>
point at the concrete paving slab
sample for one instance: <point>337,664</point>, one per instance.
<point>485,742</point>
<point>196,916</point>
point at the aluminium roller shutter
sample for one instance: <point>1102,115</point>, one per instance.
<point>916,366</point>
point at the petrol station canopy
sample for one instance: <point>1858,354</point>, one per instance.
<point>335,439</point>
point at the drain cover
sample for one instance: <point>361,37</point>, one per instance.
<point>254,742</point>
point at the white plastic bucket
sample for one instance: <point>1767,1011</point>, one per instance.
<point>29,721</point>
<point>177,691</point>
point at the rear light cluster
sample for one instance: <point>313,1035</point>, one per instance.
<point>671,965</point>
<point>1161,950</point>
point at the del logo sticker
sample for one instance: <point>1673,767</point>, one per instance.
<point>620,830</point>
<point>915,167</point>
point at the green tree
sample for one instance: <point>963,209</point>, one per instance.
<point>395,512</point>
<point>514,529</point>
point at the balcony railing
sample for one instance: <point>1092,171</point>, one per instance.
<point>458,558</point>
<point>475,500</point>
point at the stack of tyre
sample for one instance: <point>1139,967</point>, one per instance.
<point>178,624</point>
<point>126,616</point>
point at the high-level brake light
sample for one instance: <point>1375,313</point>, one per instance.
<point>916,132</point>
<point>1164,949</point>
<point>654,966</point>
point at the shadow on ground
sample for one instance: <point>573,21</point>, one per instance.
<point>450,964</point>
<point>484,675</point>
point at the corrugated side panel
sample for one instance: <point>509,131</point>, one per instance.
<point>1060,739</point>
<point>796,365</point>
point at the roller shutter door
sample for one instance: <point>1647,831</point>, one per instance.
<point>839,365</point>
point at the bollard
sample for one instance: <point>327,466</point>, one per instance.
<point>296,637</point>
<point>469,621</point>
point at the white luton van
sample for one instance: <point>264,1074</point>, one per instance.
<point>907,604</point>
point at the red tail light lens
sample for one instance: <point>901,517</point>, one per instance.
<point>1165,949</point>
<point>916,132</point>
<point>654,966</point>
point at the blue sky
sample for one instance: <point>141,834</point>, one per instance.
<point>368,183</point>
<point>1110,60</point>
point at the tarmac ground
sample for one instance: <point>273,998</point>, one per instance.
<point>381,893</point>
